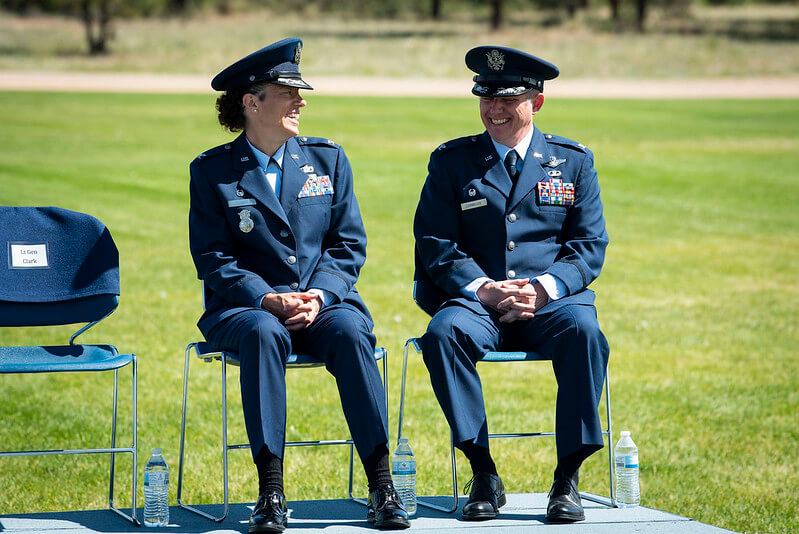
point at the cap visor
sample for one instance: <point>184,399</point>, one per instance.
<point>493,91</point>
<point>293,82</point>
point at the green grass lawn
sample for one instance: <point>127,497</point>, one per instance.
<point>698,299</point>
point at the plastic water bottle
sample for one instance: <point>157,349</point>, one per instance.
<point>403,472</point>
<point>626,455</point>
<point>156,491</point>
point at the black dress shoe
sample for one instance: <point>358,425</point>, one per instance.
<point>564,501</point>
<point>385,510</point>
<point>270,513</point>
<point>487,495</point>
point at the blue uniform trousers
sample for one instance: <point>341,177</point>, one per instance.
<point>340,337</point>
<point>457,337</point>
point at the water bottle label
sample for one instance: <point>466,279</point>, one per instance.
<point>403,468</point>
<point>631,461</point>
<point>156,478</point>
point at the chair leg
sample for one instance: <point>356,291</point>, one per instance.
<point>611,466</point>
<point>181,504</point>
<point>454,506</point>
<point>132,517</point>
<point>352,445</point>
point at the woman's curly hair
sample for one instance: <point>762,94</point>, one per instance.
<point>230,109</point>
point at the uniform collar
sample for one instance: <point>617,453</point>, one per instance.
<point>520,148</point>
<point>263,158</point>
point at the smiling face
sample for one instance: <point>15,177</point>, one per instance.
<point>509,119</point>
<point>275,114</point>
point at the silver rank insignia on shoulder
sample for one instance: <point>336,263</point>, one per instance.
<point>245,224</point>
<point>306,169</point>
<point>239,193</point>
<point>554,162</point>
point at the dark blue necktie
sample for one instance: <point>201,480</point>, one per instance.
<point>510,165</point>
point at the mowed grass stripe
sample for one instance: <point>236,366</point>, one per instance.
<point>698,298</point>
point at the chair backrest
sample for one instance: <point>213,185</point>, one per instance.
<point>62,267</point>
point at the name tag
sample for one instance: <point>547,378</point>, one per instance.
<point>28,255</point>
<point>474,204</point>
<point>241,202</point>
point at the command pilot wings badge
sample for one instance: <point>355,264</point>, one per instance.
<point>496,61</point>
<point>554,162</point>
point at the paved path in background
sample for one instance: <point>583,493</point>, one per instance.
<point>377,86</point>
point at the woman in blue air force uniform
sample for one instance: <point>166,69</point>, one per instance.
<point>277,239</point>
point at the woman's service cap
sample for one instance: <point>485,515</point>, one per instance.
<point>278,63</point>
<point>503,71</point>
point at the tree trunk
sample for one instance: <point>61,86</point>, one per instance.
<point>435,9</point>
<point>614,10</point>
<point>640,19</point>
<point>96,17</point>
<point>496,14</point>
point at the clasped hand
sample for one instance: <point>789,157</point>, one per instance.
<point>515,300</point>
<point>296,310</point>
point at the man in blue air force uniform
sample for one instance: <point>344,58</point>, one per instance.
<point>509,234</point>
<point>277,239</point>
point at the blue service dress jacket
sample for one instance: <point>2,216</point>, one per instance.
<point>472,221</point>
<point>246,242</point>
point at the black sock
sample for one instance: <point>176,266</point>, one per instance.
<point>270,471</point>
<point>479,457</point>
<point>377,467</point>
<point>569,466</point>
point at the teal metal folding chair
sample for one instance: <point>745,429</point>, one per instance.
<point>206,353</point>
<point>506,357</point>
<point>62,268</point>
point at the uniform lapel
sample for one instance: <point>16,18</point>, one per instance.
<point>293,176</point>
<point>496,176</point>
<point>253,179</point>
<point>532,172</point>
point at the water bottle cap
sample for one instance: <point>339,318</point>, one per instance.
<point>156,451</point>
<point>625,433</point>
<point>403,440</point>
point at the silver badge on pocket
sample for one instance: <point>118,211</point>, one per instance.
<point>245,224</point>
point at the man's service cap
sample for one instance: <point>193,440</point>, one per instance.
<point>278,63</point>
<point>503,71</point>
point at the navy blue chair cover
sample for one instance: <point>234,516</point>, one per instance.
<point>62,267</point>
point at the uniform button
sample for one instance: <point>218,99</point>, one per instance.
<point>291,260</point>
<point>511,245</point>
<point>511,274</point>
<point>294,285</point>
<point>284,233</point>
<point>512,217</point>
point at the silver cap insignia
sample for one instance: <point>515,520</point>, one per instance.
<point>496,61</point>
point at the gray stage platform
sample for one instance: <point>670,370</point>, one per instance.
<point>524,513</point>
